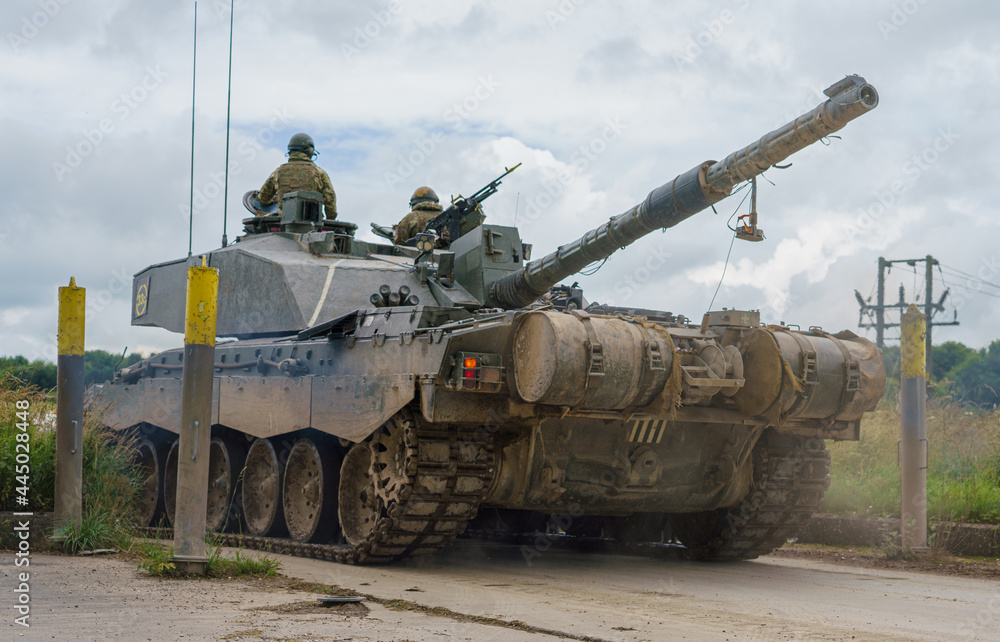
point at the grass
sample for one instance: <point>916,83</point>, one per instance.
<point>110,483</point>
<point>156,561</point>
<point>963,477</point>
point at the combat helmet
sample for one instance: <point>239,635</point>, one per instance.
<point>302,143</point>
<point>423,195</point>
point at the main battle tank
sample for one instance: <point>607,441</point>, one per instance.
<point>376,399</point>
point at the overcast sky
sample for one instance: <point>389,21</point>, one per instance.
<point>601,102</point>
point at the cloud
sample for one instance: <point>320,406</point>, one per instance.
<point>557,85</point>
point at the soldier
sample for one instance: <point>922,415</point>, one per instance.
<point>299,173</point>
<point>424,206</point>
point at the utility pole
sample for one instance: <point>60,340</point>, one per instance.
<point>880,310</point>
<point>877,313</point>
<point>928,309</point>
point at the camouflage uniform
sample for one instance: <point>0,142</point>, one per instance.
<point>415,222</point>
<point>299,173</point>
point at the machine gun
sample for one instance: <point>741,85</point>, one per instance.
<point>464,213</point>
<point>384,231</point>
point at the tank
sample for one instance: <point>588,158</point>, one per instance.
<point>376,400</point>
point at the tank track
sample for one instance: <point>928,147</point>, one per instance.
<point>451,475</point>
<point>791,474</point>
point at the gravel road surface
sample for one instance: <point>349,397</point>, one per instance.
<point>488,592</point>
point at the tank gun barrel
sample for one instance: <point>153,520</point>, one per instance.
<point>687,194</point>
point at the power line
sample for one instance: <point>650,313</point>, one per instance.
<point>956,272</point>
<point>975,291</point>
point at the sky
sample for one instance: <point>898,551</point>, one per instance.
<point>601,101</point>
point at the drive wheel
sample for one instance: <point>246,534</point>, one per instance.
<point>394,459</point>
<point>262,507</point>
<point>309,503</point>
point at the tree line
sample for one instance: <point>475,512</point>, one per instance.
<point>98,366</point>
<point>967,374</point>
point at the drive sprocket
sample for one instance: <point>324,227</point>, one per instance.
<point>394,458</point>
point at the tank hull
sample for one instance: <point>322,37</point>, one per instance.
<point>564,413</point>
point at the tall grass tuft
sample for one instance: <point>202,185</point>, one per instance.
<point>963,476</point>
<point>110,483</point>
<point>41,445</point>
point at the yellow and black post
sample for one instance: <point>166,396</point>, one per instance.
<point>69,406</point>
<point>196,419</point>
<point>913,438</point>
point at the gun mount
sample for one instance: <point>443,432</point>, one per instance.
<point>687,194</point>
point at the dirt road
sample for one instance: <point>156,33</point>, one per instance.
<point>561,593</point>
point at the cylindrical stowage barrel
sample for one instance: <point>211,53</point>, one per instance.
<point>196,418</point>
<point>69,406</point>
<point>688,194</point>
<point>809,375</point>
<point>913,429</point>
<point>585,361</point>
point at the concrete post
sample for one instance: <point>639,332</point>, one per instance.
<point>196,419</point>
<point>69,406</point>
<point>913,441</point>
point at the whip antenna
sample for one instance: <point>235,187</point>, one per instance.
<point>229,100</point>
<point>194,69</point>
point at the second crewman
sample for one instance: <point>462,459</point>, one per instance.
<point>424,206</point>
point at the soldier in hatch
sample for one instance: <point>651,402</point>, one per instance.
<point>299,173</point>
<point>424,206</point>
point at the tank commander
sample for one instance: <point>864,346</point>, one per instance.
<point>299,173</point>
<point>424,206</point>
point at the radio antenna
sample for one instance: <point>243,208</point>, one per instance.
<point>229,100</point>
<point>194,70</point>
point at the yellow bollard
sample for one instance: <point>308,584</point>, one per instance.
<point>196,419</point>
<point>69,406</point>
<point>913,433</point>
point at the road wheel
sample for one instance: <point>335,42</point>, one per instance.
<point>310,502</point>
<point>262,481</point>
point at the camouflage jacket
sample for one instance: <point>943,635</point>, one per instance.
<point>415,222</point>
<point>299,173</point>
